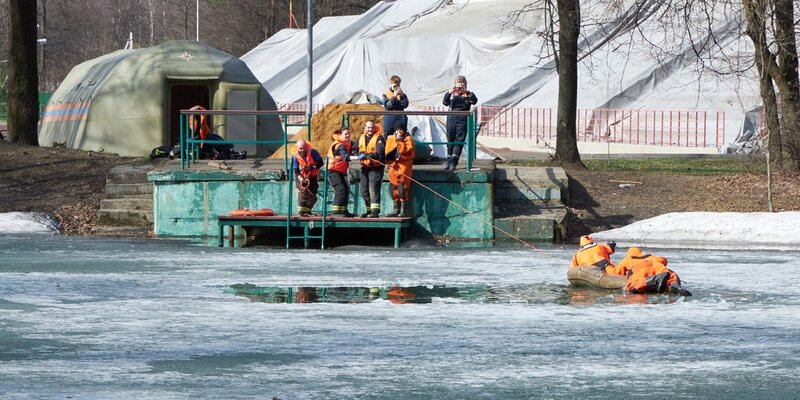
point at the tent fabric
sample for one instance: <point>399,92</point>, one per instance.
<point>428,42</point>
<point>120,102</point>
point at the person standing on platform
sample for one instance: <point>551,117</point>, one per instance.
<point>341,150</point>
<point>400,160</point>
<point>394,99</point>
<point>371,150</point>
<point>306,164</point>
<point>458,98</point>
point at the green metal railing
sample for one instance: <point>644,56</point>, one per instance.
<point>190,154</point>
<point>190,147</point>
<point>307,228</point>
<point>470,142</point>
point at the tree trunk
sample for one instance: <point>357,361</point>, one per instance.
<point>786,55</point>
<point>23,76</point>
<point>755,11</point>
<point>569,23</point>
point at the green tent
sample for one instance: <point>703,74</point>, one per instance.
<point>127,102</point>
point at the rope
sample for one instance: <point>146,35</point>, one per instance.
<point>472,213</point>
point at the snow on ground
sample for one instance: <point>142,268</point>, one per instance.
<point>761,230</point>
<point>26,222</point>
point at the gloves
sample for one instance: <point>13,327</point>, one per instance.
<point>613,246</point>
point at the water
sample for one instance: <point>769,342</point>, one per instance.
<point>115,319</point>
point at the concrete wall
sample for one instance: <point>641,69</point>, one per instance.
<point>187,202</point>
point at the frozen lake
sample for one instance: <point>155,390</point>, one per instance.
<point>90,318</point>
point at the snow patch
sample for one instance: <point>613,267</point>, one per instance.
<point>28,222</point>
<point>758,230</point>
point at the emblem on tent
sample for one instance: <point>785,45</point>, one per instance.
<point>186,56</point>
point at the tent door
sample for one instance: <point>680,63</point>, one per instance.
<point>241,127</point>
<point>183,96</point>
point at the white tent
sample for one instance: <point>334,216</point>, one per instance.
<point>429,42</point>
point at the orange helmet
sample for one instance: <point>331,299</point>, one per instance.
<point>586,239</point>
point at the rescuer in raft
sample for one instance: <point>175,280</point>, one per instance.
<point>648,274</point>
<point>400,160</point>
<point>592,254</point>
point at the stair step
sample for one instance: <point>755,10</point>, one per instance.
<point>116,190</point>
<point>129,174</point>
<point>123,231</point>
<point>547,225</point>
<point>535,184</point>
<point>137,203</point>
<point>116,217</point>
<point>508,191</point>
<point>524,207</point>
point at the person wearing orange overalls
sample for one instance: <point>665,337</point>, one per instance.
<point>623,267</point>
<point>592,254</point>
<point>341,150</point>
<point>400,160</point>
<point>649,274</point>
<point>306,164</point>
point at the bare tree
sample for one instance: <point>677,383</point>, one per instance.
<point>778,65</point>
<point>23,79</point>
<point>569,26</point>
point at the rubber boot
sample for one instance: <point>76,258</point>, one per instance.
<point>395,210</point>
<point>366,210</point>
<point>375,213</point>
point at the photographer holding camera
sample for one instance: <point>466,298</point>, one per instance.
<point>394,99</point>
<point>458,98</point>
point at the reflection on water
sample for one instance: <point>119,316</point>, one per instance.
<point>522,294</point>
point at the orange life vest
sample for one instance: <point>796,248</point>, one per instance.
<point>203,121</point>
<point>594,255</point>
<point>304,162</point>
<point>339,163</point>
<point>250,213</point>
<point>371,147</point>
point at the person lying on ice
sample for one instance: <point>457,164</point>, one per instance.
<point>400,160</point>
<point>592,254</point>
<point>648,274</point>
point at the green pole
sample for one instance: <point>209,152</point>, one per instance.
<point>181,142</point>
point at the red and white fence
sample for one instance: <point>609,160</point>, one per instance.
<point>678,128</point>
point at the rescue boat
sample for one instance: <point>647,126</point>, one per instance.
<point>591,277</point>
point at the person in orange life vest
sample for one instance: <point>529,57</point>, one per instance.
<point>651,275</point>
<point>399,160</point>
<point>458,98</point>
<point>623,267</point>
<point>394,99</point>
<point>592,254</point>
<point>341,150</point>
<point>306,164</point>
<point>371,151</point>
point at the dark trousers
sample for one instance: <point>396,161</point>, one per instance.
<point>390,120</point>
<point>341,190</point>
<point>307,196</point>
<point>370,185</point>
<point>456,132</point>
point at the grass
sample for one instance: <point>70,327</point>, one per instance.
<point>717,165</point>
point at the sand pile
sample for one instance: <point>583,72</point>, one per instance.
<point>327,121</point>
